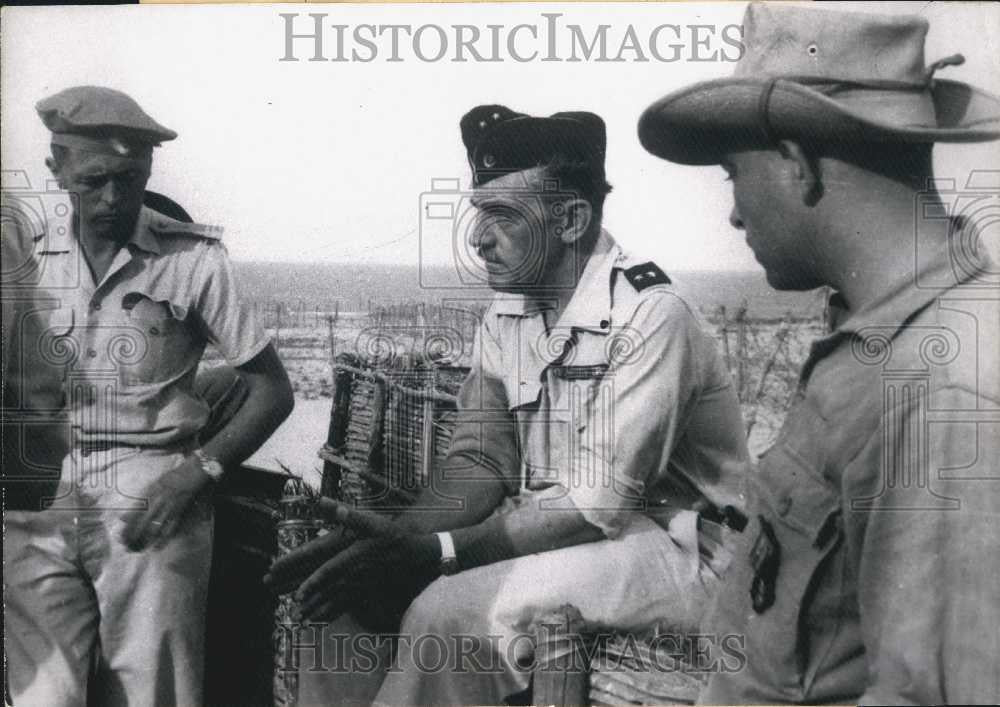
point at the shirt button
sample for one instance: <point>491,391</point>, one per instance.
<point>784,505</point>
<point>605,324</point>
<point>91,353</point>
<point>154,330</point>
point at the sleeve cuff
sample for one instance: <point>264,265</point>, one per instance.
<point>250,353</point>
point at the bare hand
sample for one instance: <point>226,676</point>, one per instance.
<point>375,561</point>
<point>170,498</point>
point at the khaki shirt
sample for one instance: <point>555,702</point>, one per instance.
<point>624,402</point>
<point>870,569</point>
<point>117,359</point>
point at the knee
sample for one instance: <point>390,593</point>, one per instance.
<point>433,611</point>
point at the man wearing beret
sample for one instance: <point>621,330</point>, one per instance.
<point>107,555</point>
<point>869,571</point>
<point>597,421</point>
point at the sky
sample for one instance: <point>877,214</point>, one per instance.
<point>327,161</point>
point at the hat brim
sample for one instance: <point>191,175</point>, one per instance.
<point>699,124</point>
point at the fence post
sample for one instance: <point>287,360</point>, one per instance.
<point>741,350</point>
<point>277,329</point>
<point>781,336</point>
<point>724,333</point>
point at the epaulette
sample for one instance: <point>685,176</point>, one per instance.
<point>166,226</point>
<point>646,275</point>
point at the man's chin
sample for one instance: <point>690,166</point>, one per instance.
<point>114,228</point>
<point>789,281</point>
<point>502,285</point>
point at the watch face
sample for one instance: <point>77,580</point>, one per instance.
<point>214,469</point>
<point>210,466</point>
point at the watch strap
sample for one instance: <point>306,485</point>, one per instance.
<point>449,559</point>
<point>210,465</point>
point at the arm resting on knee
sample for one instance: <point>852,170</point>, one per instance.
<point>524,531</point>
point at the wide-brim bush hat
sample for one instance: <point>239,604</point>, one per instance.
<point>821,76</point>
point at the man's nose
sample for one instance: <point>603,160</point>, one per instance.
<point>481,234</point>
<point>112,192</point>
<point>735,219</point>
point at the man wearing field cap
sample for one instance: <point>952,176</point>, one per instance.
<point>598,462</point>
<point>109,460</point>
<point>870,569</point>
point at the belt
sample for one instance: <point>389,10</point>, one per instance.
<point>88,447</point>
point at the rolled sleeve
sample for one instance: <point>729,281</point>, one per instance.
<point>229,322</point>
<point>486,431</point>
<point>628,433</point>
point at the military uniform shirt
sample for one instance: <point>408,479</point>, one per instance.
<point>870,570</point>
<point>624,402</point>
<point>120,356</point>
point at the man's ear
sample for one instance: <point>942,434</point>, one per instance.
<point>579,214</point>
<point>806,171</point>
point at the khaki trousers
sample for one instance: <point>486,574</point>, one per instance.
<point>86,619</point>
<point>470,638</point>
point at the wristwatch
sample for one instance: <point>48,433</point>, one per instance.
<point>449,561</point>
<point>209,465</point>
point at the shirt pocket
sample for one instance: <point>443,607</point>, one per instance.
<point>795,533</point>
<point>161,333</point>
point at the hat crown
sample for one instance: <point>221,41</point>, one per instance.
<point>98,109</point>
<point>787,40</point>
<point>499,140</point>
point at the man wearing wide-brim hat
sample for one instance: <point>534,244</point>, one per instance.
<point>869,569</point>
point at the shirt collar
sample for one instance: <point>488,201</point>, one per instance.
<point>590,305</point>
<point>908,295</point>
<point>142,237</point>
<point>891,312</point>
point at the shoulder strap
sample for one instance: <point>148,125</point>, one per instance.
<point>646,275</point>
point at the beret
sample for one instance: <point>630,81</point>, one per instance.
<point>499,140</point>
<point>96,116</point>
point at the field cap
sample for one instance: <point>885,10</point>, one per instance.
<point>102,120</point>
<point>823,76</point>
<point>499,141</point>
